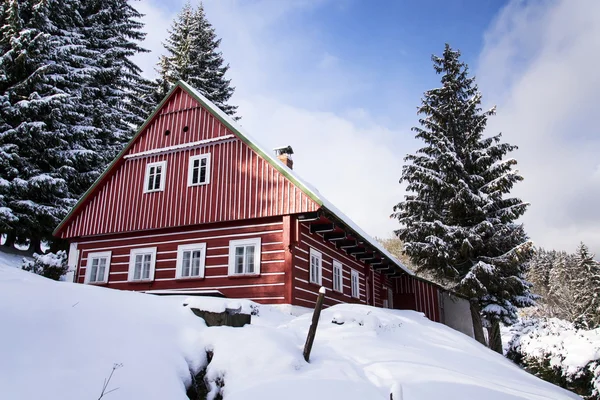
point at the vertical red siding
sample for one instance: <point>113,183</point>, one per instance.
<point>242,184</point>
<point>418,295</point>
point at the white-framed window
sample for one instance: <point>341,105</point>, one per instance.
<point>244,257</point>
<point>199,170</point>
<point>337,276</point>
<point>190,260</point>
<point>155,176</point>
<point>97,267</point>
<point>141,264</point>
<point>316,266</point>
<point>354,283</point>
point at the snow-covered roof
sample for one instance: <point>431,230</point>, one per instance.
<point>307,188</point>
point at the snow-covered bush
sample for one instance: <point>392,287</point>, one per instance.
<point>49,265</point>
<point>556,351</point>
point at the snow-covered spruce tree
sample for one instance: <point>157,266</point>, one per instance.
<point>562,288</point>
<point>66,85</point>
<point>112,32</point>
<point>457,221</point>
<point>587,282</point>
<point>192,55</point>
<point>45,142</point>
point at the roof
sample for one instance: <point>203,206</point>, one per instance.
<point>225,119</point>
<point>307,188</point>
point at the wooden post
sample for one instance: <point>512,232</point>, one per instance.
<point>312,331</point>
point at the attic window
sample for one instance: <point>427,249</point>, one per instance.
<point>186,128</point>
<point>199,170</point>
<point>155,177</point>
<point>167,132</point>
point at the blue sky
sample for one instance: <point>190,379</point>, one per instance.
<point>340,81</point>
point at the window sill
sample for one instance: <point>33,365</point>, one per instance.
<point>197,184</point>
<point>153,191</point>
<point>141,281</point>
<point>189,278</point>
<point>242,276</point>
<point>97,283</point>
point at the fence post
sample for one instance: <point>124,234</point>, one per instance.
<point>313,326</point>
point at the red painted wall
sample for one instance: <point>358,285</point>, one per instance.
<point>266,288</point>
<point>418,295</point>
<point>242,185</point>
<point>304,292</point>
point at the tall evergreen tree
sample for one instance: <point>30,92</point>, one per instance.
<point>192,55</point>
<point>587,281</point>
<point>457,221</point>
<point>66,106</point>
<point>43,62</point>
<point>569,286</point>
<point>112,32</point>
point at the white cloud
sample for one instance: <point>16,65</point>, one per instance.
<point>540,64</point>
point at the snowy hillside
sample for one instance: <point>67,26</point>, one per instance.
<point>60,341</point>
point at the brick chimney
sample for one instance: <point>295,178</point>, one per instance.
<point>284,154</point>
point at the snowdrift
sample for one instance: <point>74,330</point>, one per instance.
<point>60,341</point>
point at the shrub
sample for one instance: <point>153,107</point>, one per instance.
<point>49,265</point>
<point>556,351</point>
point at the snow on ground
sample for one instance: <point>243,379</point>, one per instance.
<point>10,259</point>
<point>60,340</point>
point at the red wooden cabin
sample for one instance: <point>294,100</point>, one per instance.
<point>194,205</point>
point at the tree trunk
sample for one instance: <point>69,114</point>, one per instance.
<point>477,326</point>
<point>10,239</point>
<point>495,338</point>
<point>35,246</point>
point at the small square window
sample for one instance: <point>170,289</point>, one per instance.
<point>142,264</point>
<point>244,257</point>
<point>354,284</point>
<point>155,177</point>
<point>97,267</point>
<point>316,266</point>
<point>337,276</point>
<point>199,170</point>
<point>190,260</point>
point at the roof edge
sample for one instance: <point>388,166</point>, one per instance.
<point>239,131</point>
<point>113,163</point>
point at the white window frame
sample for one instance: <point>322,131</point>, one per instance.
<point>132,254</point>
<point>163,176</point>
<point>233,244</point>
<point>88,267</point>
<point>319,270</point>
<point>191,169</point>
<point>190,247</point>
<point>355,288</point>
<point>337,266</point>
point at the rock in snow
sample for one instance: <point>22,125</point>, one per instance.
<point>60,340</point>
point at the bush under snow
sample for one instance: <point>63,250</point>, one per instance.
<point>556,351</point>
<point>49,265</point>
